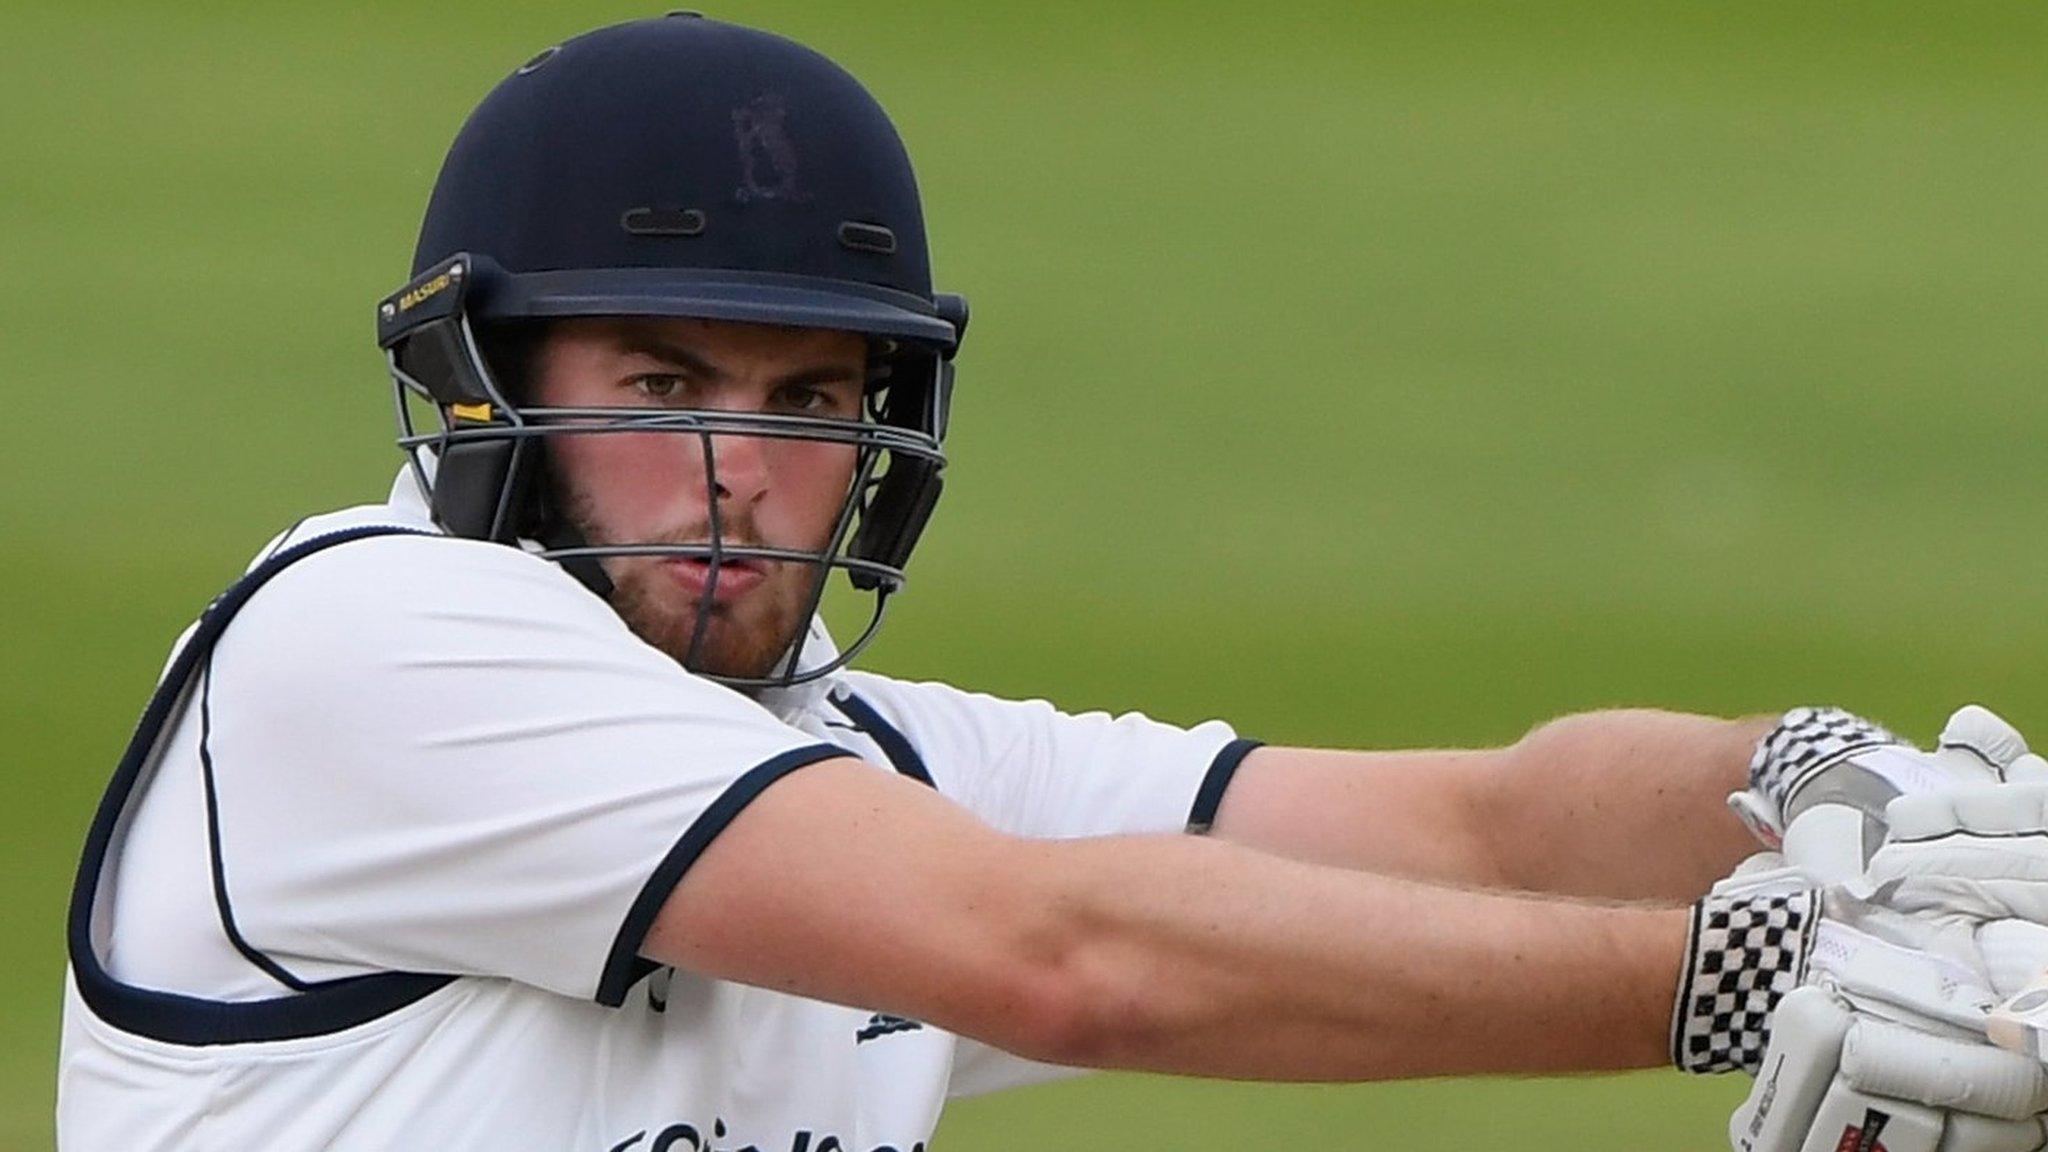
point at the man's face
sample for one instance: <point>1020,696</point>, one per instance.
<point>651,487</point>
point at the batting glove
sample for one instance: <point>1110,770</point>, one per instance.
<point>1979,852</point>
<point>1821,780</point>
<point>1836,1081</point>
<point>1865,1025</point>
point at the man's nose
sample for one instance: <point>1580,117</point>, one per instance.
<point>738,467</point>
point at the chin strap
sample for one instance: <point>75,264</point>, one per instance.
<point>588,570</point>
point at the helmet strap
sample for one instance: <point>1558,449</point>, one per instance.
<point>588,570</point>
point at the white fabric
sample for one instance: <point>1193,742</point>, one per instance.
<point>1029,769</point>
<point>443,756</point>
<point>432,755</point>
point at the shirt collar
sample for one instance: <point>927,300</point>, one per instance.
<point>787,703</point>
<point>407,495</point>
<point>809,696</point>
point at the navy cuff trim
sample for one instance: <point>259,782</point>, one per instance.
<point>623,966</point>
<point>1210,796</point>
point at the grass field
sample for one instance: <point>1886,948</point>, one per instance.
<point>1367,374</point>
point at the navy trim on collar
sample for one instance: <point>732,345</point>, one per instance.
<point>895,745</point>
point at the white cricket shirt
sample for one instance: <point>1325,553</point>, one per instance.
<point>381,876</point>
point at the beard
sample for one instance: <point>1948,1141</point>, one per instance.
<point>742,639</point>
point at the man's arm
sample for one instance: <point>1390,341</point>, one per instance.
<point>1168,953</point>
<point>1618,805</point>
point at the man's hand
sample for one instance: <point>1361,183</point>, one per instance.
<point>1978,852</point>
<point>1935,973</point>
<point>1835,1080</point>
<point>1821,780</point>
<point>1882,1045</point>
<point>1882,1042</point>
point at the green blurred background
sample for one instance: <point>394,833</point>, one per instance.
<point>1368,374</point>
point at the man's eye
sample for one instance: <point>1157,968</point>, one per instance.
<point>658,386</point>
<point>813,400</point>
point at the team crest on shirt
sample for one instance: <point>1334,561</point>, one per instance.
<point>881,1025</point>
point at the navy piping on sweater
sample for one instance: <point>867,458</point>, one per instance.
<point>316,1007</point>
<point>320,1007</point>
<point>893,743</point>
<point>228,927</point>
<point>1209,796</point>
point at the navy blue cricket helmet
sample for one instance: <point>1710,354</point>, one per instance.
<point>685,167</point>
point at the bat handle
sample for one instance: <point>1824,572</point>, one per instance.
<point>2018,1024</point>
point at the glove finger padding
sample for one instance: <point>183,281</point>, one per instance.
<point>1853,1121</point>
<point>1967,1133</point>
<point>1983,735</point>
<point>2014,953</point>
<point>1983,810</point>
<point>1978,852</point>
<point>1885,1059</point>
<point>1986,899</point>
<point>1832,1080</point>
<point>2016,957</point>
<point>2028,769</point>
<point>1805,1049</point>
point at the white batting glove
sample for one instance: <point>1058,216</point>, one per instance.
<point>1764,874</point>
<point>1878,1042</point>
<point>1821,780</point>
<point>1878,1049</point>
<point>1937,972</point>
<point>1833,1081</point>
<point>1979,853</point>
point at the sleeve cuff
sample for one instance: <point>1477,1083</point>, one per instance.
<point>1742,954</point>
<point>1209,796</point>
<point>623,965</point>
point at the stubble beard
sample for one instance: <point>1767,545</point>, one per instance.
<point>743,639</point>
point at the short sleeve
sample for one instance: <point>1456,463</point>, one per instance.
<point>439,755</point>
<point>1031,769</point>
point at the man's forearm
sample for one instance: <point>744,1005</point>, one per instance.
<point>1166,953</point>
<point>1201,958</point>
<point>1624,804</point>
<point>1618,805</point>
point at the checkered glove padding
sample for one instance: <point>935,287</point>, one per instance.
<point>1742,955</point>
<point>1806,741</point>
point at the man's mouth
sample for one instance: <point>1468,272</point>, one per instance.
<point>736,576</point>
